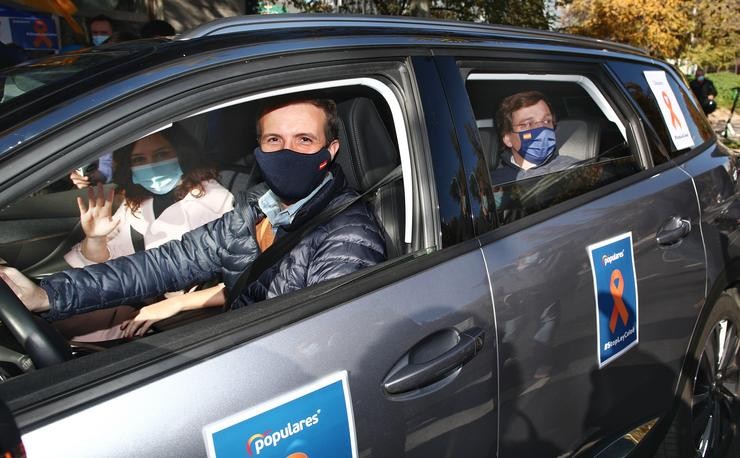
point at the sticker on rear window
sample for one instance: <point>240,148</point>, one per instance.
<point>313,421</point>
<point>670,109</point>
<point>615,291</point>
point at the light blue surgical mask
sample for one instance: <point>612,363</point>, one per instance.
<point>700,78</point>
<point>158,177</point>
<point>98,40</point>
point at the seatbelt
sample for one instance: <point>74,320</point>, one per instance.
<point>283,245</point>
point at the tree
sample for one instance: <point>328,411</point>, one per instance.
<point>715,37</point>
<point>524,13</point>
<point>659,26</point>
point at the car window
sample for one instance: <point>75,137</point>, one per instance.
<point>591,146</point>
<point>638,84</point>
<point>224,138</point>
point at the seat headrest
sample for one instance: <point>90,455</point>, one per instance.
<point>366,151</point>
<point>578,138</point>
<point>489,141</point>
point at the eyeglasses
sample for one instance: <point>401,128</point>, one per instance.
<point>529,125</point>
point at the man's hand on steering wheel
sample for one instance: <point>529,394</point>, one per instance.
<point>33,297</point>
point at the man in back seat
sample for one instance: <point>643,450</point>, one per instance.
<point>298,143</point>
<point>527,129</point>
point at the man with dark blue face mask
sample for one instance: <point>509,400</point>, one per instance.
<point>298,140</point>
<point>527,128</point>
<point>705,91</point>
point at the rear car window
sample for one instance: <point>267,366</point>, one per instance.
<point>591,142</point>
<point>633,78</point>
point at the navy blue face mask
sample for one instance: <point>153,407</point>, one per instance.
<point>537,144</point>
<point>290,175</point>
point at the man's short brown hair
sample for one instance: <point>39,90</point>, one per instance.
<point>329,107</point>
<point>516,102</point>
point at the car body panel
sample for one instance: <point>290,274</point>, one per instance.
<point>544,299</point>
<point>357,336</point>
<point>714,171</point>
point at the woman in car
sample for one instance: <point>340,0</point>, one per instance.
<point>167,190</point>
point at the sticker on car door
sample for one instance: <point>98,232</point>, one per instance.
<point>615,292</point>
<point>315,420</point>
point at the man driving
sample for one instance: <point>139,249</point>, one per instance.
<point>527,129</point>
<point>298,141</point>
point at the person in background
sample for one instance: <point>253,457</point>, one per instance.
<point>101,29</point>
<point>157,28</point>
<point>705,91</point>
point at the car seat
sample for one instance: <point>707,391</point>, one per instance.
<point>231,136</point>
<point>367,153</point>
<point>578,138</point>
<point>489,142</point>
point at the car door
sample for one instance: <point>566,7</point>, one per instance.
<point>395,360</point>
<point>571,380</point>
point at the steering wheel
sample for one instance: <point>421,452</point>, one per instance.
<point>38,338</point>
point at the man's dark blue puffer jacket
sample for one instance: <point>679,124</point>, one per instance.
<point>222,250</point>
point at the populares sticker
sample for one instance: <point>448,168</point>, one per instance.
<point>312,421</point>
<point>615,291</point>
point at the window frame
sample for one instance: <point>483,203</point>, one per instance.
<point>584,82</point>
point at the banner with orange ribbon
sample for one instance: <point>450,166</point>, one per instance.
<point>615,292</point>
<point>670,109</point>
<point>31,31</point>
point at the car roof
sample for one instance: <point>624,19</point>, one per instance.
<point>143,56</point>
<point>395,24</point>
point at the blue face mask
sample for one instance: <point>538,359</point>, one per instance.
<point>538,145</point>
<point>700,78</point>
<point>159,177</point>
<point>98,40</point>
<point>290,175</point>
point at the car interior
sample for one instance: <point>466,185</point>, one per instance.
<point>583,132</point>
<point>38,230</point>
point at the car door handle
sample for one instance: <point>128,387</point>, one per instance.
<point>673,231</point>
<point>413,376</point>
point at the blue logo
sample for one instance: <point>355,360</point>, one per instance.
<point>615,291</point>
<point>313,421</point>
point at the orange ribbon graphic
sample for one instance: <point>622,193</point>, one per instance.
<point>40,27</point>
<point>616,287</point>
<point>674,117</point>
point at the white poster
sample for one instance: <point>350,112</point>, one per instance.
<point>671,110</point>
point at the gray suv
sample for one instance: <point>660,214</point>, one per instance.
<point>584,310</point>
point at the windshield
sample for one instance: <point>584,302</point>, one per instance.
<point>28,85</point>
<point>26,78</point>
